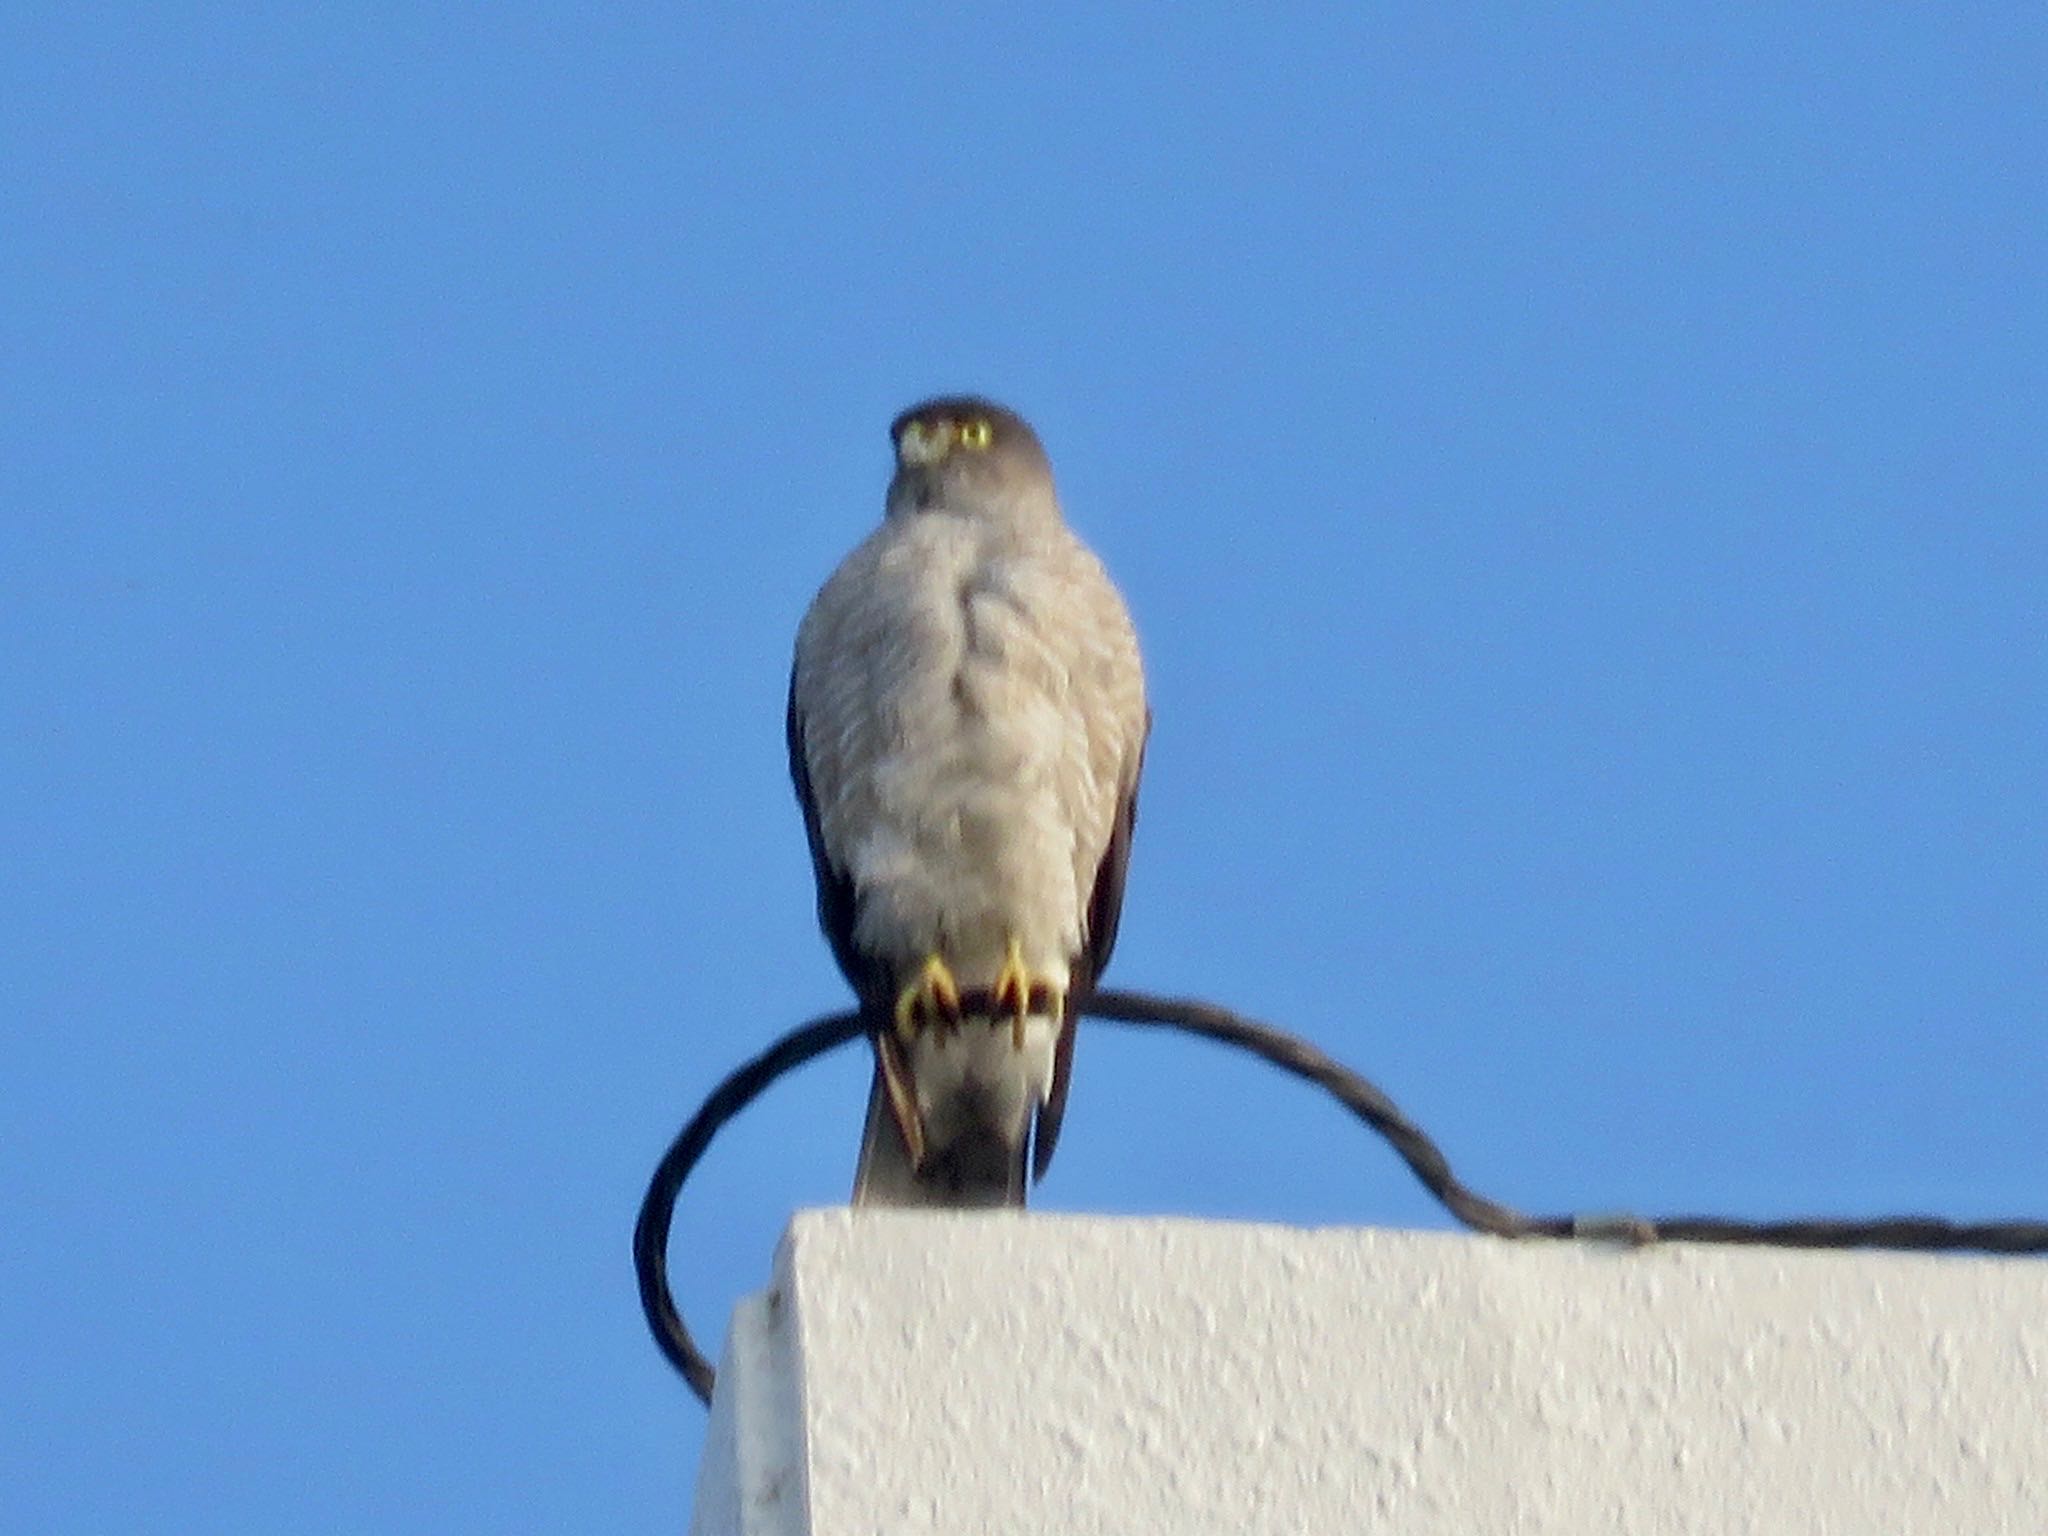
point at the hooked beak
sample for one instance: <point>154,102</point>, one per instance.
<point>921,443</point>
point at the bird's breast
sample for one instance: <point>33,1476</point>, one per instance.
<point>975,791</point>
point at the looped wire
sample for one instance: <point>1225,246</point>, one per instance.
<point>1422,1155</point>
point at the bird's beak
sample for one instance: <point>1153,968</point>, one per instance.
<point>923,443</point>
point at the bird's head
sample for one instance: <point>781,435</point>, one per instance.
<point>964,453</point>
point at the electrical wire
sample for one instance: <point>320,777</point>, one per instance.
<point>1356,1093</point>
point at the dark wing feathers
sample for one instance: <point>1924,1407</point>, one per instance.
<point>835,886</point>
<point>1105,911</point>
<point>1106,903</point>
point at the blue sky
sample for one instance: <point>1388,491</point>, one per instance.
<point>1579,479</point>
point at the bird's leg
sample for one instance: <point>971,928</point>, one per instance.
<point>930,1002</point>
<point>1012,992</point>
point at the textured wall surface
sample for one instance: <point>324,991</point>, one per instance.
<point>912,1373</point>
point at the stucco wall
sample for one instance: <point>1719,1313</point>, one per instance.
<point>911,1373</point>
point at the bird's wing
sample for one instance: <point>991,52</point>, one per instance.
<point>835,885</point>
<point>1105,909</point>
<point>1106,901</point>
<point>1113,700</point>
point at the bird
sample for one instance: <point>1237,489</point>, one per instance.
<point>967,725</point>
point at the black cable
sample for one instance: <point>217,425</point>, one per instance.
<point>1355,1093</point>
<point>1424,1159</point>
<point>657,1210</point>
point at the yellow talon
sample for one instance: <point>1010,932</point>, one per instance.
<point>1012,992</point>
<point>931,1001</point>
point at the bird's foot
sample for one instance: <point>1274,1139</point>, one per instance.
<point>928,1006</point>
<point>931,1002</point>
<point>1016,996</point>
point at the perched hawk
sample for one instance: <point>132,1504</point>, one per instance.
<point>966,723</point>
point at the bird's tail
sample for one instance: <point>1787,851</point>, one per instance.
<point>982,1165</point>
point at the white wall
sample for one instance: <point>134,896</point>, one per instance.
<point>913,1373</point>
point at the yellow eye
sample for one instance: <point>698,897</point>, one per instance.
<point>976,433</point>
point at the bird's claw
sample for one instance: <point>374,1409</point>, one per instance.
<point>1011,994</point>
<point>930,1002</point>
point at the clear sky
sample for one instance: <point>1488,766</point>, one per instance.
<point>1581,482</point>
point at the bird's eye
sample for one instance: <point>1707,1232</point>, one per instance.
<point>976,432</point>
